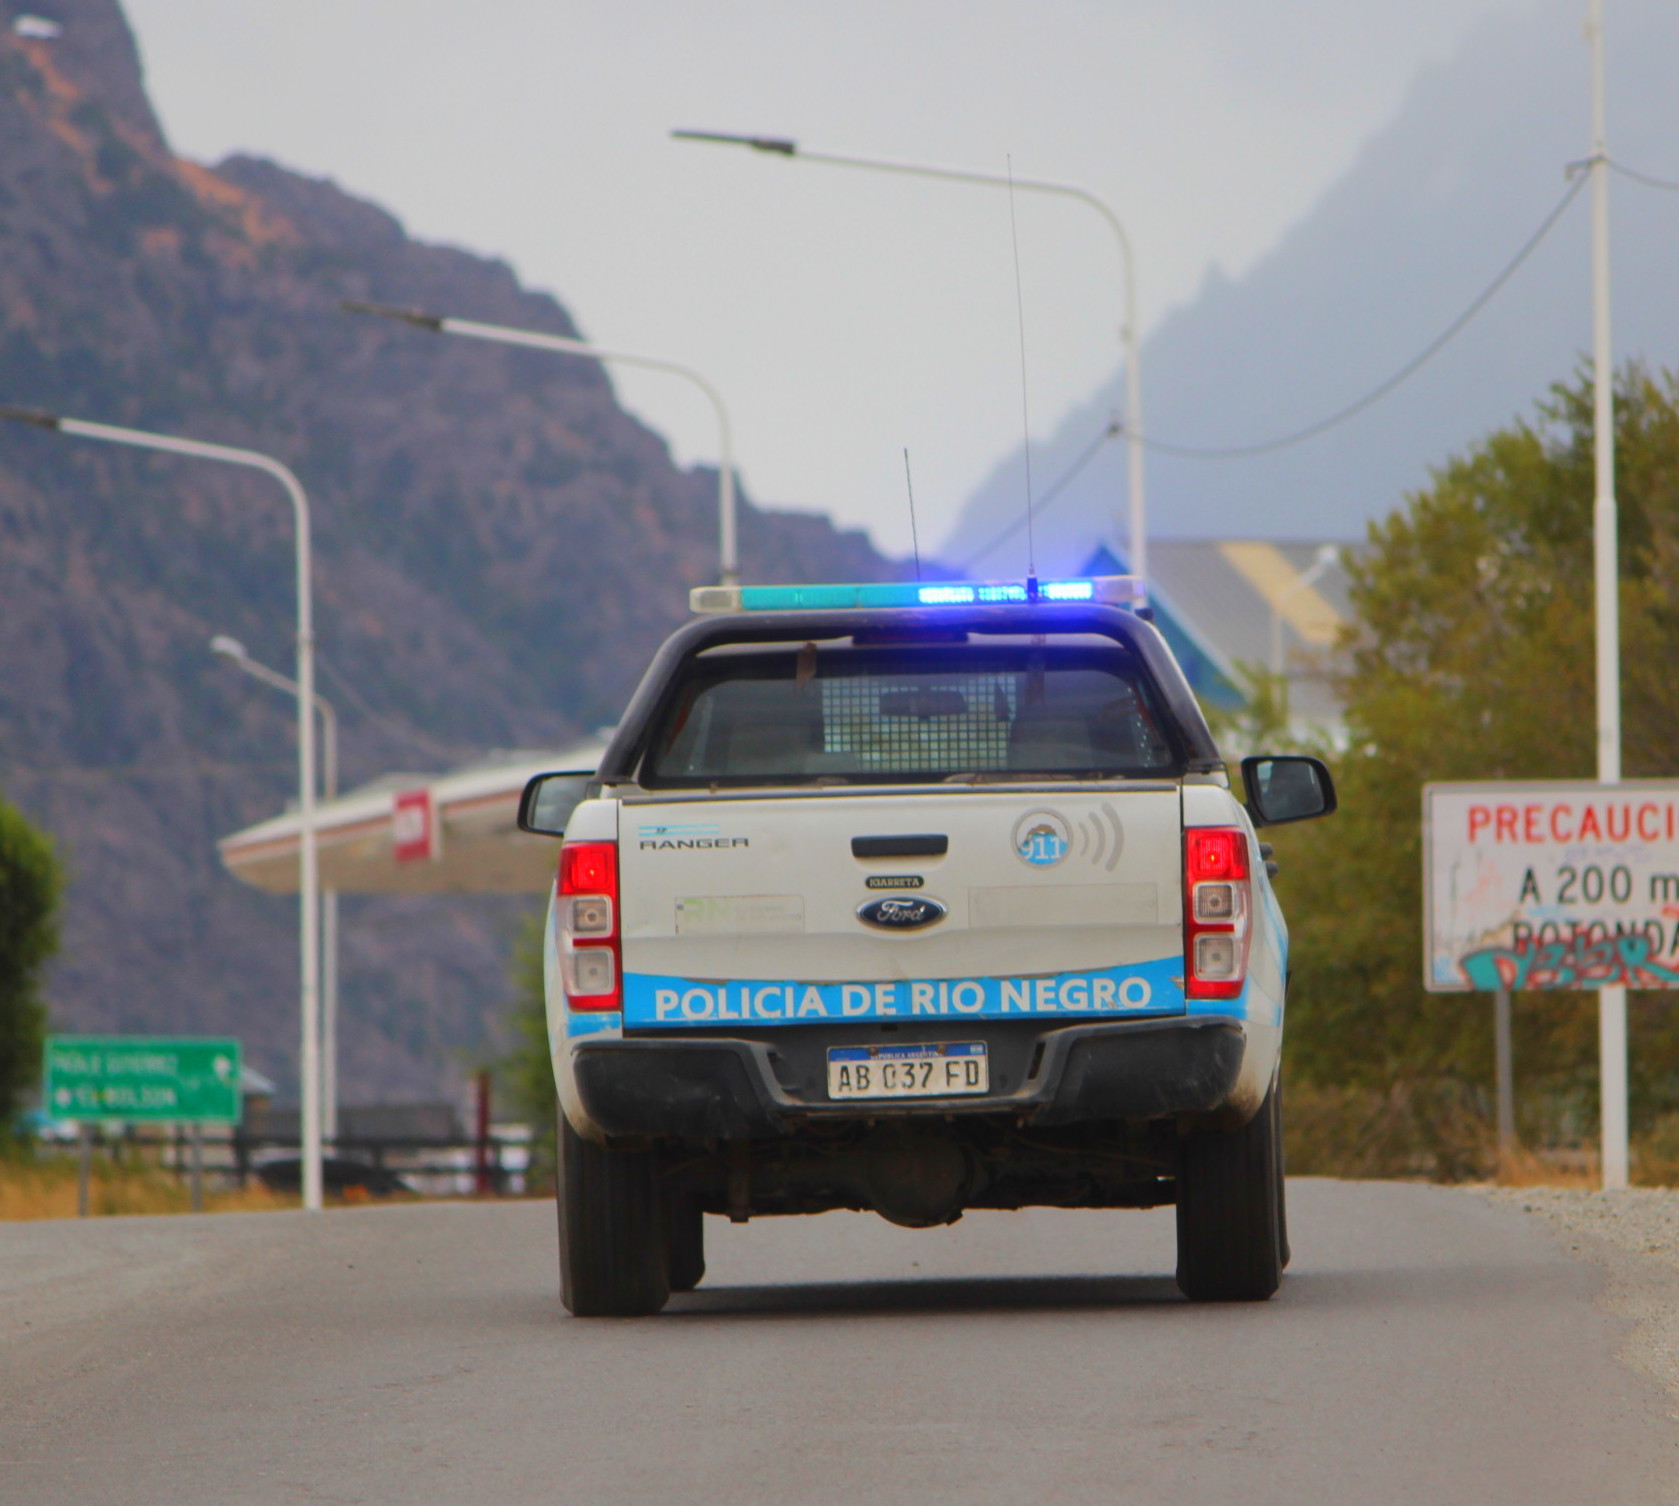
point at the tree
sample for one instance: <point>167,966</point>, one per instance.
<point>1470,656</point>
<point>30,885</point>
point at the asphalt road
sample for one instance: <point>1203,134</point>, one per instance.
<point>1428,1347</point>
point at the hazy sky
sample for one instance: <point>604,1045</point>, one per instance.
<point>844,315</point>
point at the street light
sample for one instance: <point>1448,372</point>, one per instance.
<point>1326,556</point>
<point>501,334</point>
<point>310,1063</point>
<point>780,146</point>
<point>232,650</point>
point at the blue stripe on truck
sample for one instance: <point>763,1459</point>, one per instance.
<point>1147,988</point>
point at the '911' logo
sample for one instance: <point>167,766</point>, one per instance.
<point>1042,838</point>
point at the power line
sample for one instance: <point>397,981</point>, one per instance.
<point>1062,482</point>
<point>400,731</point>
<point>1409,369</point>
<point>1666,184</point>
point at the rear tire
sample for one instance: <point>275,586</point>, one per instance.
<point>1283,1251</point>
<point>614,1260</point>
<point>685,1235</point>
<point>1230,1238</point>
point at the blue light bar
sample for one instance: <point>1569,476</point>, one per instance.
<point>1118,590</point>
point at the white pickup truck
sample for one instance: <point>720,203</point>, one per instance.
<point>915,899</point>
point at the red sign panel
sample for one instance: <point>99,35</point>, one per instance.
<point>414,827</point>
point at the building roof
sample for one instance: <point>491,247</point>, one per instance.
<point>1228,605</point>
<point>469,843</point>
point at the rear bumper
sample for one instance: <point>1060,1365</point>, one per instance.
<point>728,1089</point>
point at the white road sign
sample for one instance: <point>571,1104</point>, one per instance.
<point>1566,884</point>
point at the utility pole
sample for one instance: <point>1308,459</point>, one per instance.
<point>1611,1002</point>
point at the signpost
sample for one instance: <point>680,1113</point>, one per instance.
<point>143,1080</point>
<point>1566,884</point>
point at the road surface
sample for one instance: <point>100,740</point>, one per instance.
<point>1428,1347</point>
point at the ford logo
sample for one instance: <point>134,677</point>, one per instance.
<point>902,913</point>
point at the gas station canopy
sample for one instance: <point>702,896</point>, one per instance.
<point>418,833</point>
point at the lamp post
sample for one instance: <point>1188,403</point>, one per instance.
<point>780,146</point>
<point>1326,556</point>
<point>308,905</point>
<point>502,334</point>
<point>234,652</point>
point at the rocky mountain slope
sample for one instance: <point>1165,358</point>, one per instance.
<point>498,547</point>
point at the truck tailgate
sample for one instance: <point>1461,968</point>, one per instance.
<point>1043,903</point>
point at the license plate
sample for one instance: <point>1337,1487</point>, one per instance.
<point>937,1070</point>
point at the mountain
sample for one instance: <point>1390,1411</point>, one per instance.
<point>498,548</point>
<point>1431,209</point>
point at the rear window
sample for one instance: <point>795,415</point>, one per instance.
<point>905,715</point>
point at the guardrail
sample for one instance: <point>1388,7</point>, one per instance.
<point>492,1164</point>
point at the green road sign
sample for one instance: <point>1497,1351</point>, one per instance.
<point>179,1079</point>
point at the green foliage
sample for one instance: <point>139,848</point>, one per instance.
<point>30,885</point>
<point>1261,725</point>
<point>1470,656</point>
<point>526,1072</point>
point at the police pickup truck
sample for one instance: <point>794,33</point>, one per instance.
<point>915,898</point>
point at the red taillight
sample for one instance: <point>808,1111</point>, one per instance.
<point>1216,852</point>
<point>586,914</point>
<point>589,868</point>
<point>1217,900</point>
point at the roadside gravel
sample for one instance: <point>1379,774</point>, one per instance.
<point>1634,1234</point>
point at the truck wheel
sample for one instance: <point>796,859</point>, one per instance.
<point>1283,1251</point>
<point>613,1255</point>
<point>685,1233</point>
<point>1229,1211</point>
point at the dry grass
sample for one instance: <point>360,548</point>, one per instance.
<point>1557,1168</point>
<point>1414,1131</point>
<point>1655,1154</point>
<point>46,1188</point>
<point>1440,1132</point>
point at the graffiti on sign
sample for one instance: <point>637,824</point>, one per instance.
<point>1579,962</point>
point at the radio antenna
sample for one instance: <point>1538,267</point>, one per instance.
<point>914,541</point>
<point>1025,417</point>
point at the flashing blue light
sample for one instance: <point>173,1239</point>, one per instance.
<point>1119,590</point>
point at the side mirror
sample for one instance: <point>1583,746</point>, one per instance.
<point>1287,787</point>
<point>549,800</point>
